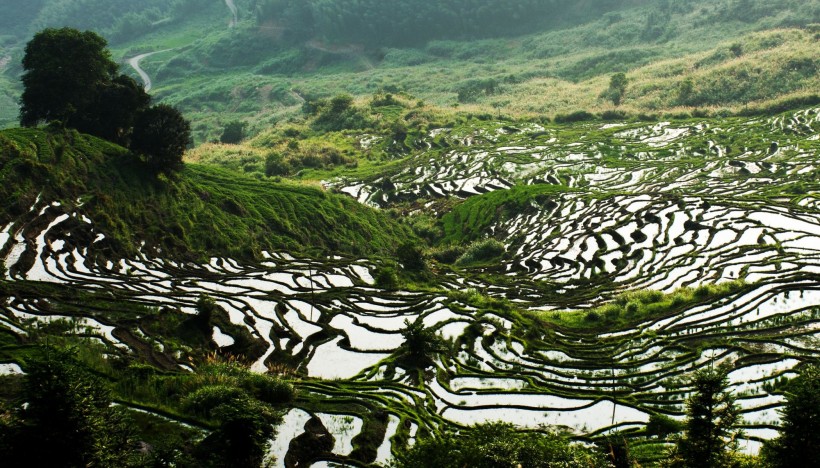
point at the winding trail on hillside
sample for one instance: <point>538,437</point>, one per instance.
<point>134,62</point>
<point>234,11</point>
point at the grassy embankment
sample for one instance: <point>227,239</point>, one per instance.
<point>202,210</point>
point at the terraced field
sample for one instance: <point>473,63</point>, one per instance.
<point>586,212</point>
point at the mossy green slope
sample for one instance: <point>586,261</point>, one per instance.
<point>202,210</point>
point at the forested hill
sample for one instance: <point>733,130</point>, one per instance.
<point>259,60</point>
<point>413,22</point>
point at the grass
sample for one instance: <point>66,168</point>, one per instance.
<point>634,307</point>
<point>733,59</point>
<point>204,209</point>
<point>468,220</point>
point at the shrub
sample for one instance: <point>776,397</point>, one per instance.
<point>269,389</point>
<point>386,278</point>
<point>482,252</point>
<point>577,116</point>
<point>613,115</point>
<point>411,257</point>
<point>275,165</point>
<point>233,133</point>
<point>662,426</point>
<point>205,399</point>
<point>448,255</point>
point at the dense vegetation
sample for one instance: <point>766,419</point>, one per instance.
<point>413,22</point>
<point>671,52</point>
<point>593,220</point>
<point>203,209</point>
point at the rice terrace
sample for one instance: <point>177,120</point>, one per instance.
<point>393,278</point>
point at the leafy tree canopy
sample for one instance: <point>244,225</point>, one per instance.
<point>70,78</point>
<point>161,135</point>
<point>64,69</point>
<point>799,435</point>
<point>68,419</point>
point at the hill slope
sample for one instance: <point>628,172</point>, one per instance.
<point>202,210</point>
<point>261,69</point>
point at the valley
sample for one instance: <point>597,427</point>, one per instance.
<point>634,254</point>
<point>405,233</point>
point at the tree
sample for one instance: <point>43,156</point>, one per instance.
<point>161,135</point>
<point>68,420</point>
<point>240,441</point>
<point>617,89</point>
<point>64,70</point>
<point>420,344</point>
<point>710,437</point>
<point>233,133</point>
<point>799,435</point>
<point>70,78</point>
<point>116,107</point>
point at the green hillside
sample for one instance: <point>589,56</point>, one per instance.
<point>519,58</point>
<point>201,210</point>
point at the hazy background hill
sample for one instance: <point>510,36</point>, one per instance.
<point>517,57</point>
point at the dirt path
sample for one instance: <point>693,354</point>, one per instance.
<point>234,11</point>
<point>134,62</point>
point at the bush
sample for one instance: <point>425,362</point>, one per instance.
<point>662,426</point>
<point>269,389</point>
<point>474,89</point>
<point>448,255</point>
<point>275,165</point>
<point>386,278</point>
<point>498,445</point>
<point>411,257</point>
<point>577,116</point>
<point>205,399</point>
<point>613,115</point>
<point>482,252</point>
<point>233,133</point>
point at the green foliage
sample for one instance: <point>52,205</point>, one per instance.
<point>241,440</point>
<point>710,427</point>
<point>617,89</point>
<point>495,445</point>
<point>276,165</point>
<point>70,78</point>
<point>635,306</point>
<point>386,277</point>
<point>471,90</point>
<point>68,420</point>
<point>119,19</point>
<point>799,438</point>
<point>161,135</point>
<point>470,220</point>
<point>64,68</point>
<point>234,132</point>
<point>403,22</point>
<point>411,257</point>
<point>420,345</point>
<point>203,209</point>
<point>662,426</point>
<point>481,252</point>
<point>577,116</point>
<point>338,114</point>
<point>205,400</point>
